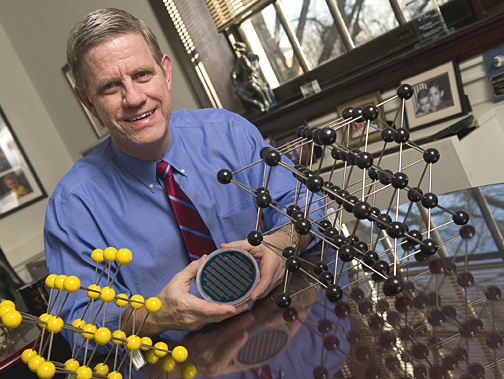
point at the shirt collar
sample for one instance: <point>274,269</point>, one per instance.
<point>145,171</point>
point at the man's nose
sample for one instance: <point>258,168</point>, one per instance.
<point>132,94</point>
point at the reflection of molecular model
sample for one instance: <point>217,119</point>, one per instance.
<point>39,358</point>
<point>401,324</point>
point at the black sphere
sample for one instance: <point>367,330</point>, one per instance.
<point>387,134</point>
<point>400,180</point>
<point>254,238</point>
<point>264,150</point>
<point>493,293</point>
<point>361,246</point>
<point>327,136</point>
<point>460,217</point>
<point>413,236</point>
<point>326,278</point>
<point>301,131</point>
<point>335,153</point>
<point>302,226</point>
<point>370,112</point>
<point>405,91</point>
<point>429,200</point>
<point>283,300</point>
<point>334,293</point>
<point>350,202</point>
<point>341,195</point>
<point>396,229</point>
<point>272,157</point>
<point>293,263</point>
<point>428,247</point>
<point>393,285</point>
<point>323,225</point>
<point>373,174</point>
<point>347,113</point>
<point>364,160</point>
<point>292,208</point>
<point>385,177</point>
<point>383,221</point>
<point>330,232</point>
<point>467,232</point>
<point>263,200</point>
<point>401,135</point>
<point>320,267</point>
<point>357,114</point>
<point>362,210</point>
<point>374,214</point>
<point>346,253</point>
<point>431,155</point>
<point>297,215</point>
<point>339,240</point>
<point>315,183</point>
<point>224,176</point>
<point>415,194</point>
<point>288,251</point>
<point>320,372</point>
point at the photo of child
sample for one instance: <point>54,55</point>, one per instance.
<point>432,96</point>
<point>15,185</point>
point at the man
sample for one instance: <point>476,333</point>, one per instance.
<point>112,197</point>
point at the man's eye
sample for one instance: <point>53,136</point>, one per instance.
<point>143,75</point>
<point>108,87</point>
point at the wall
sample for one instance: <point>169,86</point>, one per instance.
<point>41,107</point>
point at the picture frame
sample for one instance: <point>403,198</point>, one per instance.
<point>19,184</point>
<point>99,128</point>
<point>437,96</point>
<point>356,129</point>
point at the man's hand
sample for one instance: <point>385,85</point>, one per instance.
<point>182,310</point>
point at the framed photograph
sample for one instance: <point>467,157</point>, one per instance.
<point>19,185</point>
<point>96,123</point>
<point>355,131</point>
<point>437,96</point>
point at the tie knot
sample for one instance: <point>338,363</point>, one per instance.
<point>162,169</point>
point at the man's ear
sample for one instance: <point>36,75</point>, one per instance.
<point>167,68</point>
<point>84,99</point>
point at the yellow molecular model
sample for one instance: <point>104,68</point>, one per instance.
<point>140,350</point>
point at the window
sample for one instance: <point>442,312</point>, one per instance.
<point>293,37</point>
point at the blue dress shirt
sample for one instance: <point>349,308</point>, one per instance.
<point>111,199</point>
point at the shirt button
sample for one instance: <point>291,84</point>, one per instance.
<point>151,186</point>
<point>182,171</point>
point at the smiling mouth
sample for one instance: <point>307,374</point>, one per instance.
<point>142,116</point>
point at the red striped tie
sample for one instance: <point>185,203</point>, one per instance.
<point>196,235</point>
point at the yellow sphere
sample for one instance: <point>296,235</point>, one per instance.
<point>120,335</point>
<point>121,300</point>
<point>83,372</point>
<point>114,375</point>
<point>102,336</point>
<point>153,305</point>
<point>6,308</point>
<point>78,323</point>
<point>138,302</point>
<point>146,341</point>
<point>167,363</point>
<point>12,319</point>
<point>124,256</point>
<point>54,324</point>
<point>133,342</point>
<point>95,291</point>
<point>71,284</point>
<point>59,281</point>
<point>44,317</point>
<point>7,302</point>
<point>102,369</point>
<point>35,362</point>
<point>188,370</point>
<point>97,255</point>
<point>109,254</point>
<point>46,370</point>
<point>89,331</point>
<point>72,365</point>
<point>151,357</point>
<point>179,354</point>
<point>162,346</point>
<point>49,282</point>
<point>27,355</point>
<point>107,294</point>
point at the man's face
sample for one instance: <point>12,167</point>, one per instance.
<point>435,96</point>
<point>424,104</point>
<point>130,93</point>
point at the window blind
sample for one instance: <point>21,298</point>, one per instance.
<point>228,12</point>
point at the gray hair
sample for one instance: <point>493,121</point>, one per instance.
<point>99,26</point>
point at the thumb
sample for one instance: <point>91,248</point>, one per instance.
<point>190,271</point>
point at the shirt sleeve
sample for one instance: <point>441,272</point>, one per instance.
<point>280,181</point>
